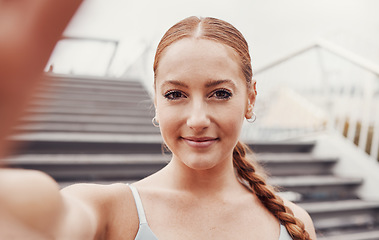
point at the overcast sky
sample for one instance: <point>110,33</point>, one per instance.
<point>272,27</point>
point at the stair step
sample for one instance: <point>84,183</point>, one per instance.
<point>295,164</point>
<point>100,167</point>
<point>366,234</point>
<point>313,181</point>
<point>90,80</point>
<point>61,89</point>
<point>88,137</point>
<point>91,86</point>
<point>90,128</point>
<point>105,159</point>
<point>89,143</point>
<point>145,104</point>
<point>57,94</point>
<point>91,111</point>
<point>103,96</point>
<point>281,147</point>
<point>339,206</point>
<point>74,118</point>
<point>293,158</point>
<point>331,215</point>
<point>318,187</point>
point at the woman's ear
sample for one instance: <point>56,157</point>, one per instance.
<point>249,110</point>
<point>154,96</point>
<point>155,109</point>
<point>251,100</point>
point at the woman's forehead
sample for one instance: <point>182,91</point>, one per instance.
<point>206,48</point>
<point>198,58</point>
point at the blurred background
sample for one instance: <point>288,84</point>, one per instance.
<point>316,64</point>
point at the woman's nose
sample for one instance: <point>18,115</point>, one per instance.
<point>198,116</point>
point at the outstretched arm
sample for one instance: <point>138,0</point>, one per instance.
<point>30,202</point>
<point>33,207</point>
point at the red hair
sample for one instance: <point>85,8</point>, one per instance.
<point>225,33</point>
<point>212,29</point>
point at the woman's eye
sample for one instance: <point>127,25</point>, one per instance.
<point>222,94</point>
<point>172,95</point>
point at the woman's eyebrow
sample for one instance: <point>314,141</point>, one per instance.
<point>174,82</point>
<point>208,84</point>
<point>214,83</point>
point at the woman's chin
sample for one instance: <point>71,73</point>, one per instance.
<point>200,165</point>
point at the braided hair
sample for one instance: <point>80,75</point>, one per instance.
<point>257,184</point>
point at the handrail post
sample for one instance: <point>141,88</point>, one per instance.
<point>365,121</point>
<point>326,91</point>
<point>353,114</point>
<point>375,135</point>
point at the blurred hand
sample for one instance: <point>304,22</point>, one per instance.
<point>29,31</point>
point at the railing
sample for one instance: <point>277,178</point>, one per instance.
<point>83,56</point>
<point>340,88</point>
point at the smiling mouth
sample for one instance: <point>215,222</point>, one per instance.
<point>202,142</point>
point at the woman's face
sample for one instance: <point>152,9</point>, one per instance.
<point>201,101</point>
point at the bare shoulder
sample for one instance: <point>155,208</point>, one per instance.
<point>110,207</point>
<point>103,198</point>
<point>301,214</point>
<point>97,199</point>
<point>95,192</point>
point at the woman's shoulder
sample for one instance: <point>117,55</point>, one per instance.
<point>96,192</point>
<point>111,205</point>
<point>104,197</point>
<point>301,214</point>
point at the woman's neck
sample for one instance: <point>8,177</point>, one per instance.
<point>218,179</point>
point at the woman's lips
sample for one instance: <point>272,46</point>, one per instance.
<point>202,142</point>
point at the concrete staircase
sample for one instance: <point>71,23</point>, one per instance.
<point>97,130</point>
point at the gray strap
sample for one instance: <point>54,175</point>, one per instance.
<point>284,235</point>
<point>137,200</point>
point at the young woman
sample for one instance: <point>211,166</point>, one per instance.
<point>209,190</point>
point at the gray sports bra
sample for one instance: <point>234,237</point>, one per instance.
<point>145,233</point>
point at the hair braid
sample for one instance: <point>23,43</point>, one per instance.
<point>246,171</point>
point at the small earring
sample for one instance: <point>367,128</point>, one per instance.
<point>155,122</point>
<point>252,119</point>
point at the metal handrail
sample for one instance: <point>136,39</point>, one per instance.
<point>285,57</point>
<point>350,56</point>
<point>114,42</point>
<point>326,45</point>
